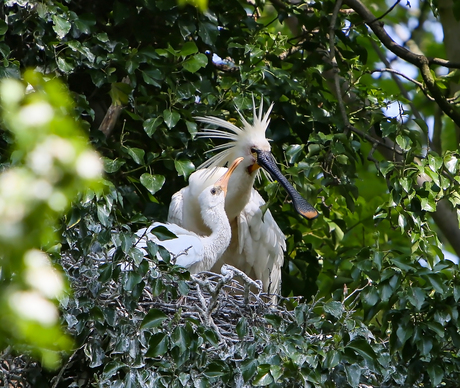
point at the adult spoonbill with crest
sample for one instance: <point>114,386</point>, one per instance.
<point>189,249</point>
<point>257,242</point>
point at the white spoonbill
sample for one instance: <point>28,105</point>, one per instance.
<point>257,243</point>
<point>190,250</point>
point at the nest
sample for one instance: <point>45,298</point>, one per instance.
<point>218,302</point>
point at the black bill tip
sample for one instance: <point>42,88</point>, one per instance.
<point>266,160</point>
<point>305,209</point>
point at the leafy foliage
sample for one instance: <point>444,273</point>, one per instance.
<point>157,65</point>
<point>50,163</point>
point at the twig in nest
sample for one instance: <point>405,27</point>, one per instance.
<point>228,270</point>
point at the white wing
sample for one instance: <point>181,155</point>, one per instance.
<point>257,245</point>
<point>175,208</point>
<point>186,250</point>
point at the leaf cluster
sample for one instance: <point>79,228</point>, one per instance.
<point>159,66</point>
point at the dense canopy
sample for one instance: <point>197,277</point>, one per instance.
<point>365,125</point>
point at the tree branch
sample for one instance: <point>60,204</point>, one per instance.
<point>388,11</point>
<point>112,114</point>
<point>421,61</point>
<point>335,67</point>
<point>393,71</point>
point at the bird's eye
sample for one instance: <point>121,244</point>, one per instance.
<point>213,191</point>
<point>253,150</point>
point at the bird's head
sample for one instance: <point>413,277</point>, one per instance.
<point>250,143</point>
<point>244,142</point>
<point>215,194</point>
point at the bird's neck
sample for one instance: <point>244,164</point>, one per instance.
<point>217,242</point>
<point>239,195</point>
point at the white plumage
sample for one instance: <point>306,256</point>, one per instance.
<point>257,243</point>
<point>193,251</point>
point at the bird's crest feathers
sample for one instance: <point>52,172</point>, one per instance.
<point>247,135</point>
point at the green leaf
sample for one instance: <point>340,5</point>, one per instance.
<point>248,368</point>
<point>404,332</point>
<point>151,125</point>
<point>65,64</point>
<point>191,127</point>
<point>154,318</point>
<point>417,297</point>
<point>422,124</point>
<point>132,280</point>
<point>208,32</point>
<point>61,26</point>
<point>436,327</point>
<point>202,5</point>
<point>137,255</point>
<point>152,77</point>
<point>242,327</point>
<point>353,373</point>
<point>158,345</point>
<point>263,376</point>
<point>105,272</point>
<point>451,163</point>
<point>386,167</point>
<point>332,359</point>
<point>120,92</point>
<point>435,162</point>
<point>188,48</point>
<point>211,337</point>
<point>183,287</point>
<point>274,320</point>
<point>163,233</point>
<point>111,166</point>
<point>215,369</point>
<point>171,118</point>
<point>403,263</point>
<point>157,287</point>
<point>184,167</point>
<point>180,338</point>
<point>436,373</point>
<point>456,292</point>
<point>276,371</point>
<point>436,283</point>
<point>361,346</point>
<point>103,213</point>
<point>152,183</point>
<point>402,222</point>
<point>195,63</point>
<point>111,369</point>
<point>3,27</point>
<point>334,308</point>
<point>293,152</point>
<point>136,154</point>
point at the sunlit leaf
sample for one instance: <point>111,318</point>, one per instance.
<point>171,118</point>
<point>151,124</point>
<point>137,154</point>
<point>61,26</point>
<point>152,183</point>
<point>184,167</point>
